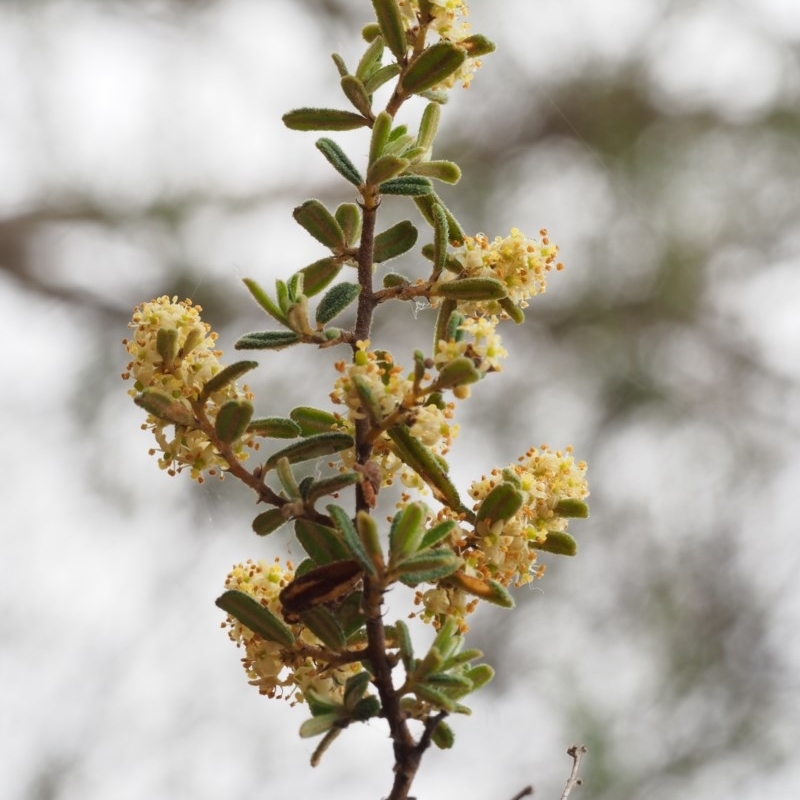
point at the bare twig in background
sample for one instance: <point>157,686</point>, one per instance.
<point>528,790</point>
<point>577,752</point>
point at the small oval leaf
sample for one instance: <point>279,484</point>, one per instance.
<point>164,406</point>
<point>232,420</point>
<point>274,428</point>
<point>320,223</point>
<point>409,185</point>
<point>312,420</point>
<point>432,66</point>
<point>323,119</point>
<point>253,615</point>
<point>339,160</point>
<point>335,301</point>
<point>557,542</point>
<point>395,241</point>
<point>267,340</point>
<point>322,444</point>
<point>471,289</point>
<point>227,376</point>
<point>268,521</point>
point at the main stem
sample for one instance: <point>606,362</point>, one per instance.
<point>407,752</point>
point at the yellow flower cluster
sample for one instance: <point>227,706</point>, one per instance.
<point>393,393</point>
<point>501,550</point>
<point>518,262</point>
<point>449,24</point>
<point>172,351</point>
<point>272,667</point>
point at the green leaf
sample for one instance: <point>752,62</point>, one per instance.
<point>369,402</point>
<point>571,507</point>
<point>436,534</point>
<point>323,119</point>
<point>428,125</point>
<point>166,407</point>
<point>340,65</point>
<point>486,589</point>
<point>371,59</point>
<point>335,301</point>
<point>381,129</point>
<point>422,461</point>
<point>227,376</point>
<point>368,533</point>
<point>323,544</point>
<point>348,215</point>
<point>268,521</point>
<point>471,289</point>
<point>502,502</point>
<point>332,485</point>
<point>351,538</point>
<point>167,346</point>
<point>386,167</point>
<point>355,688</point>
<point>445,171</point>
<point>320,724</point>
<point>253,615</point>
<point>274,428</point>
<point>232,420</point>
<point>325,627</point>
<point>427,567</point>
<point>461,371</point>
<point>339,161</point>
<point>267,340</point>
<point>513,310</point>
<point>381,76</point>
<point>321,444</point>
<point>425,204</point>
<point>409,185</point>
<point>355,92</point>
<point>477,45</point>
<point>318,275</point>
<point>445,328</point>
<point>392,280</point>
<point>321,224</point>
<point>432,66</point>
<point>404,644</point>
<point>480,675</point>
<point>443,736</point>
<point>558,542</point>
<point>406,531</point>
<point>435,696</point>
<point>312,420</point>
<point>439,250</point>
<point>285,473</point>
<point>395,241</point>
<point>391,21</point>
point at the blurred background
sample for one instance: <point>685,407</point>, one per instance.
<point>142,153</point>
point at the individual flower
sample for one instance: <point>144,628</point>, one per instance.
<point>393,393</point>
<point>278,671</point>
<point>520,263</point>
<point>173,353</point>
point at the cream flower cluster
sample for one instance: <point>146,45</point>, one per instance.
<point>520,263</point>
<point>270,666</point>
<point>392,391</point>
<point>502,550</point>
<point>182,374</point>
<point>485,348</point>
<point>449,24</point>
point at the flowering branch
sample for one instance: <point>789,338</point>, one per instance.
<point>316,633</point>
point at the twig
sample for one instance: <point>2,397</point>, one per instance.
<point>528,790</point>
<point>577,752</point>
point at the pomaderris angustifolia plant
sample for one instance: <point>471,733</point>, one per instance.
<point>317,632</point>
